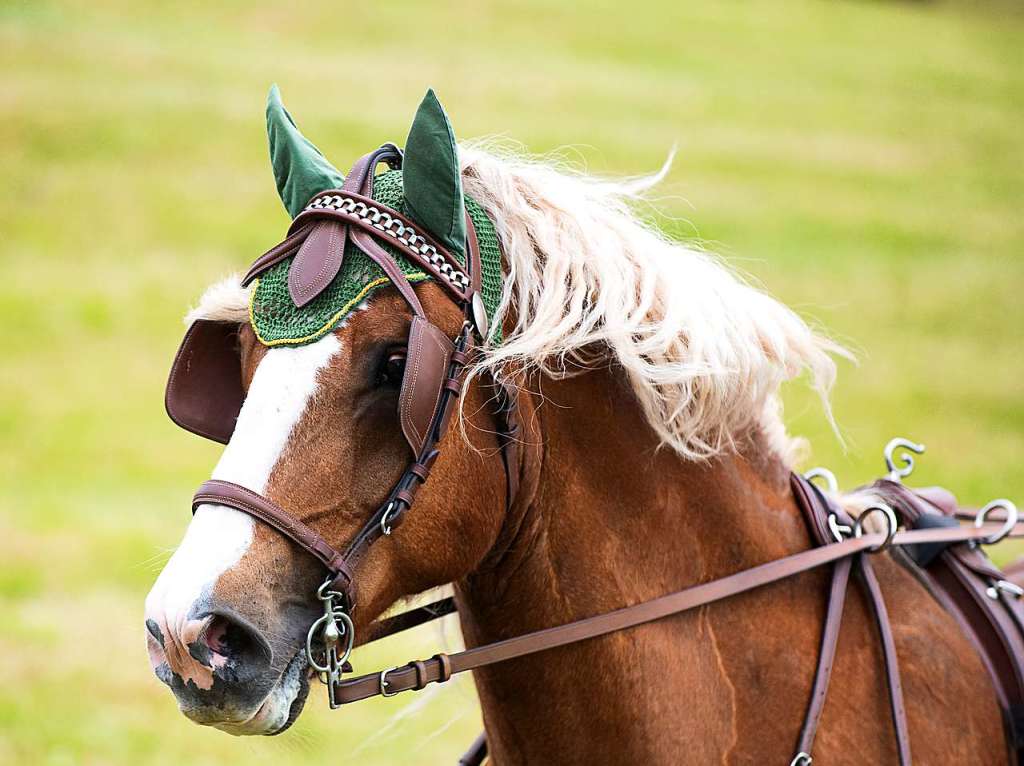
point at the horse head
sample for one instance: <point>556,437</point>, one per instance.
<point>324,428</point>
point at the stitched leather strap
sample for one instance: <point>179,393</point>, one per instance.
<point>382,258</point>
<point>243,499</point>
<point>305,221</point>
<point>826,655</point>
<point>403,678</point>
<point>892,669</point>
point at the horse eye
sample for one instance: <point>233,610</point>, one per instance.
<point>393,370</point>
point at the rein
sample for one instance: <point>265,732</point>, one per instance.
<point>441,667</point>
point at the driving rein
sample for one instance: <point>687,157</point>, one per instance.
<point>204,395</point>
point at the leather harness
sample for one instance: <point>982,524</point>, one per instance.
<point>203,397</point>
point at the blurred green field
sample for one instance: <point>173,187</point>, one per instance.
<point>864,161</point>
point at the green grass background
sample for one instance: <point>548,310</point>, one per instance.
<point>862,160</point>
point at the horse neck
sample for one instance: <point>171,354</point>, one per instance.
<point>611,520</point>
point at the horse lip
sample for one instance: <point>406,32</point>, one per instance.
<point>295,706</point>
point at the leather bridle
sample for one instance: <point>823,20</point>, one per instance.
<point>433,380</point>
<point>201,400</point>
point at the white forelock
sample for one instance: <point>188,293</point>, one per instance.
<point>223,301</point>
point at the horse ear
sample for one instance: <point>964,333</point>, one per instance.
<point>431,176</point>
<point>300,170</point>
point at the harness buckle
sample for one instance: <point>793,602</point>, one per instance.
<point>386,518</point>
<point>802,759</point>
<point>383,683</point>
<point>839,531</point>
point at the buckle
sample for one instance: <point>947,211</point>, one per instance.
<point>383,683</point>
<point>389,514</point>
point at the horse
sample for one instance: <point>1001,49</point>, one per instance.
<point>651,456</point>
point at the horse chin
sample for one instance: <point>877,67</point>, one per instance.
<point>281,707</point>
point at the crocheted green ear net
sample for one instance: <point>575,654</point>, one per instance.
<point>431,173</point>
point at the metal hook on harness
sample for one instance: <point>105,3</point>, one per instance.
<point>890,520</point>
<point>906,446</point>
<point>1011,519</point>
<point>1003,586</point>
<point>823,473</point>
<point>839,531</point>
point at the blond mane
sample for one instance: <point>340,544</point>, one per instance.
<point>704,352</point>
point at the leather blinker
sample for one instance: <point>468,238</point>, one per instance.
<point>204,391</point>
<point>426,369</point>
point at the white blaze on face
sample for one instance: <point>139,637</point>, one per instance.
<point>284,382</point>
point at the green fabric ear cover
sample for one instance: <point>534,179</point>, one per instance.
<point>431,176</point>
<point>300,170</point>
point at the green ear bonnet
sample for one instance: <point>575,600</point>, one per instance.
<point>428,190</point>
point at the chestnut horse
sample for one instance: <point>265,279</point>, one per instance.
<point>653,457</point>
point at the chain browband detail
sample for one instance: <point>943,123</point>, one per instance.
<point>394,226</point>
<point>353,208</point>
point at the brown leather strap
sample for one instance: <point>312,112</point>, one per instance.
<point>394,272</point>
<point>458,292</point>
<point>243,499</point>
<point>317,261</point>
<point>1014,571</point>
<point>404,491</point>
<point>276,254</point>
<point>826,656</point>
<point>476,753</point>
<point>403,678</point>
<point>473,266</point>
<point>892,669</point>
<point>409,619</point>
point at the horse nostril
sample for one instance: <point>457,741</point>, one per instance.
<point>229,637</point>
